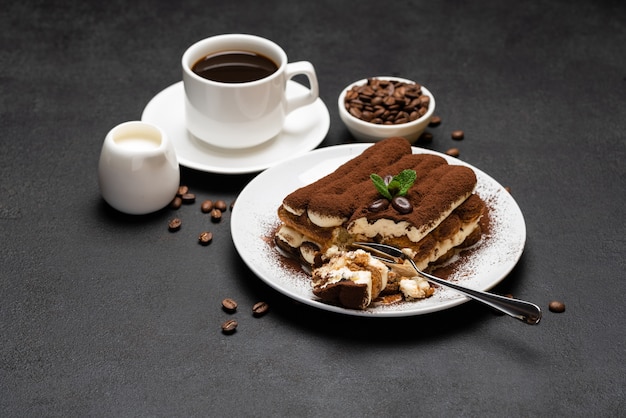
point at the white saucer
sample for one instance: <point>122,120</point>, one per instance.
<point>305,128</point>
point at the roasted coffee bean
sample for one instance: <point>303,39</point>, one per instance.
<point>176,203</point>
<point>457,135</point>
<point>402,204</point>
<point>379,205</point>
<point>556,306</point>
<point>260,309</point>
<point>453,152</point>
<point>426,137</point>
<point>229,326</point>
<point>232,204</point>
<point>221,205</point>
<point>434,121</point>
<point>229,305</point>
<point>386,102</point>
<point>205,238</point>
<point>174,224</point>
<point>216,215</point>
<point>188,198</point>
<point>182,190</point>
<point>389,101</point>
<point>206,206</point>
<point>354,111</point>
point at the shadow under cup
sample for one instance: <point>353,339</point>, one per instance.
<point>240,114</point>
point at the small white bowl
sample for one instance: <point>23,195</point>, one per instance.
<point>372,132</point>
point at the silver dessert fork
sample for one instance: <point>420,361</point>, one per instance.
<point>526,312</point>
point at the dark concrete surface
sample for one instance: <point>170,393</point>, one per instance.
<point>109,315</point>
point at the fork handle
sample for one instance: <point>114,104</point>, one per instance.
<point>526,312</point>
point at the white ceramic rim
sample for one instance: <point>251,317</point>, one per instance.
<point>200,49</point>
<point>120,149</point>
<point>254,219</point>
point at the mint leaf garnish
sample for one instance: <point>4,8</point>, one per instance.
<point>381,186</point>
<point>398,186</point>
<point>406,180</point>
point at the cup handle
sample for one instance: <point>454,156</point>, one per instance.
<point>305,68</point>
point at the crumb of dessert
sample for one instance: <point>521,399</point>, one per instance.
<point>349,278</point>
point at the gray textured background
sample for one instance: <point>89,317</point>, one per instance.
<point>107,315</point>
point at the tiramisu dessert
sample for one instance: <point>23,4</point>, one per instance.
<point>416,202</point>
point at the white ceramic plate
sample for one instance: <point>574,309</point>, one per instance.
<point>254,219</point>
<point>305,128</point>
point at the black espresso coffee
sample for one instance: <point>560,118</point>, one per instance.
<point>234,67</point>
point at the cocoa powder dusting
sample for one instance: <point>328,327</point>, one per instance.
<point>348,192</point>
<point>338,196</point>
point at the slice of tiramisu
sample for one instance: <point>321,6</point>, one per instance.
<point>387,194</point>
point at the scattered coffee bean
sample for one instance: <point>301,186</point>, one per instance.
<point>232,204</point>
<point>174,224</point>
<point>229,326</point>
<point>453,152</point>
<point>216,215</point>
<point>386,102</point>
<point>206,206</point>
<point>260,309</point>
<point>458,135</point>
<point>221,205</point>
<point>229,305</point>
<point>402,204</point>
<point>508,189</point>
<point>188,198</point>
<point>176,203</point>
<point>434,121</point>
<point>182,190</point>
<point>426,137</point>
<point>556,306</point>
<point>205,238</point>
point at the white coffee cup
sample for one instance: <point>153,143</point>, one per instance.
<point>138,170</point>
<point>241,114</point>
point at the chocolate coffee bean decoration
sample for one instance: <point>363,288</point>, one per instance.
<point>402,204</point>
<point>379,205</point>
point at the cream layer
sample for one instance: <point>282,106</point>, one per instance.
<point>388,228</point>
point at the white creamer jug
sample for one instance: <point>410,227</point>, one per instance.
<point>138,170</point>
